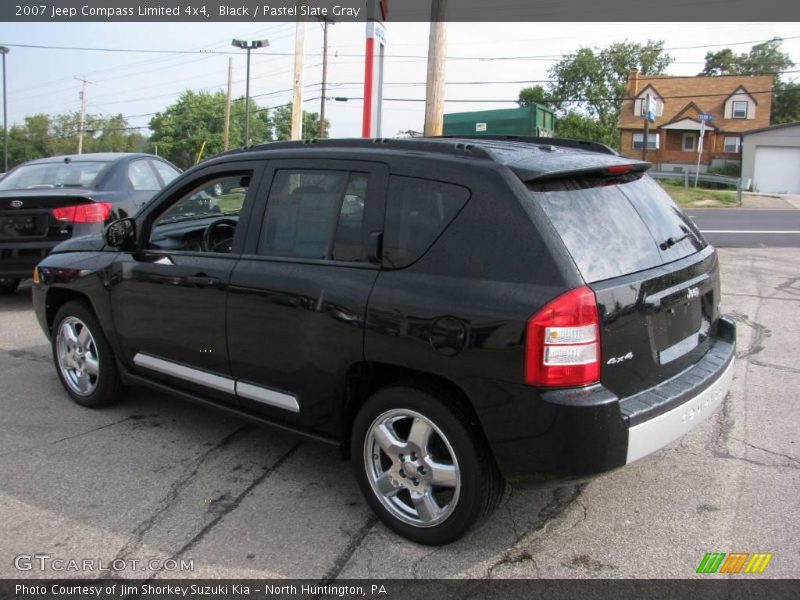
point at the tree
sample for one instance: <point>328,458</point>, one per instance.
<point>589,86</point>
<point>762,59</point>
<point>785,102</point>
<point>576,126</point>
<point>594,81</point>
<point>766,58</point>
<point>53,135</point>
<point>198,118</point>
<point>282,123</point>
<point>535,95</point>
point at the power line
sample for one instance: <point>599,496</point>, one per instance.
<point>361,55</point>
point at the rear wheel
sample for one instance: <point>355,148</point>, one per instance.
<point>423,468</point>
<point>8,286</point>
<point>83,358</point>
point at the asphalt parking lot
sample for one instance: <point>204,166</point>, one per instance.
<point>156,478</point>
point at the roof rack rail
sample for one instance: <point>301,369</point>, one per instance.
<point>547,141</point>
<point>436,144</point>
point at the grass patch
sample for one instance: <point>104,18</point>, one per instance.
<point>698,196</point>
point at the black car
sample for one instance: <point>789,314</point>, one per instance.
<point>451,313</point>
<point>44,202</point>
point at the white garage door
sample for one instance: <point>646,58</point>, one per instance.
<point>777,170</point>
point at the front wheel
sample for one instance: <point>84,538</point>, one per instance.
<point>83,358</point>
<point>423,467</point>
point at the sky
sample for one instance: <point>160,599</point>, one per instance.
<point>502,55</point>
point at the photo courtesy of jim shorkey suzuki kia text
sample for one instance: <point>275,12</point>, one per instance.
<point>191,590</point>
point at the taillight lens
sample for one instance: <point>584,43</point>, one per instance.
<point>562,347</point>
<point>94,212</point>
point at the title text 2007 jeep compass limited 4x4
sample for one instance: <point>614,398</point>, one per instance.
<point>452,313</point>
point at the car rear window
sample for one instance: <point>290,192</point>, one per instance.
<point>54,175</point>
<point>613,230</point>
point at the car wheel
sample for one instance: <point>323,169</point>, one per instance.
<point>8,286</point>
<point>84,361</point>
<point>422,464</point>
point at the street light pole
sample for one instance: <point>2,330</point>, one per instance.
<point>4,50</point>
<point>248,46</point>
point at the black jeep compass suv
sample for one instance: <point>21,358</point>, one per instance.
<point>451,313</point>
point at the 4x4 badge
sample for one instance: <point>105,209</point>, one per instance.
<point>618,359</point>
<point>16,203</point>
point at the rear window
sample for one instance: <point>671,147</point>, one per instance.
<point>417,212</point>
<point>614,230</point>
<point>54,175</point>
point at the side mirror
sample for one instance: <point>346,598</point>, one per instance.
<point>121,234</point>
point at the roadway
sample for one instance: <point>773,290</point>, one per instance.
<point>748,228</point>
<point>154,478</point>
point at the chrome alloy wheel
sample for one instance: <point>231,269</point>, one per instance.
<point>412,468</point>
<point>77,356</point>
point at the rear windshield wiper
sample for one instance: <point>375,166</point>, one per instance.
<point>671,241</point>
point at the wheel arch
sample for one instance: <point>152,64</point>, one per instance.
<point>363,379</point>
<point>57,297</point>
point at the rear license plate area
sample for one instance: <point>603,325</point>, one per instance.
<point>22,226</point>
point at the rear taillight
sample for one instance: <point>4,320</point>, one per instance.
<point>94,212</point>
<point>562,347</point>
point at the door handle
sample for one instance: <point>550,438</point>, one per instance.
<point>203,281</point>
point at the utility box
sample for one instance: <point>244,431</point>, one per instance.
<point>533,121</point>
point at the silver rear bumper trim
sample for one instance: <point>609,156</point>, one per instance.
<point>647,437</point>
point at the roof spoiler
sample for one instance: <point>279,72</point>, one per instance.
<point>610,172</point>
<point>543,141</point>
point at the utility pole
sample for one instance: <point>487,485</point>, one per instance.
<point>82,124</point>
<point>297,95</point>
<point>646,126</point>
<point>325,22</point>
<point>5,50</point>
<point>226,131</point>
<point>437,56</point>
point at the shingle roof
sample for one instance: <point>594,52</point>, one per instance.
<point>708,93</point>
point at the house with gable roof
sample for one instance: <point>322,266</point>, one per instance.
<point>736,103</point>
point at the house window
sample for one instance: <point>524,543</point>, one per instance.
<point>732,144</point>
<point>690,142</point>
<point>652,141</point>
<point>740,109</point>
<point>643,107</point>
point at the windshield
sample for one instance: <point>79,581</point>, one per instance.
<point>76,174</point>
<point>613,230</point>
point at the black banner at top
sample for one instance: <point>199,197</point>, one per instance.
<point>534,11</point>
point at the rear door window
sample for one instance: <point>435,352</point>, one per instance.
<point>165,171</point>
<point>613,230</point>
<point>315,214</point>
<point>141,176</point>
<point>417,212</point>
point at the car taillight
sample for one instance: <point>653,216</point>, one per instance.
<point>94,212</point>
<point>562,346</point>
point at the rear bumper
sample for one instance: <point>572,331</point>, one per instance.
<point>17,259</point>
<point>574,433</point>
<point>659,416</point>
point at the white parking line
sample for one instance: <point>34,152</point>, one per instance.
<point>749,231</point>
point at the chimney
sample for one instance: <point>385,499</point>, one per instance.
<point>634,79</point>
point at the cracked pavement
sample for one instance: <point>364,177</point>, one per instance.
<point>156,478</point>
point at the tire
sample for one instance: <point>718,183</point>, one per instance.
<point>8,286</point>
<point>439,489</point>
<point>83,359</point>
